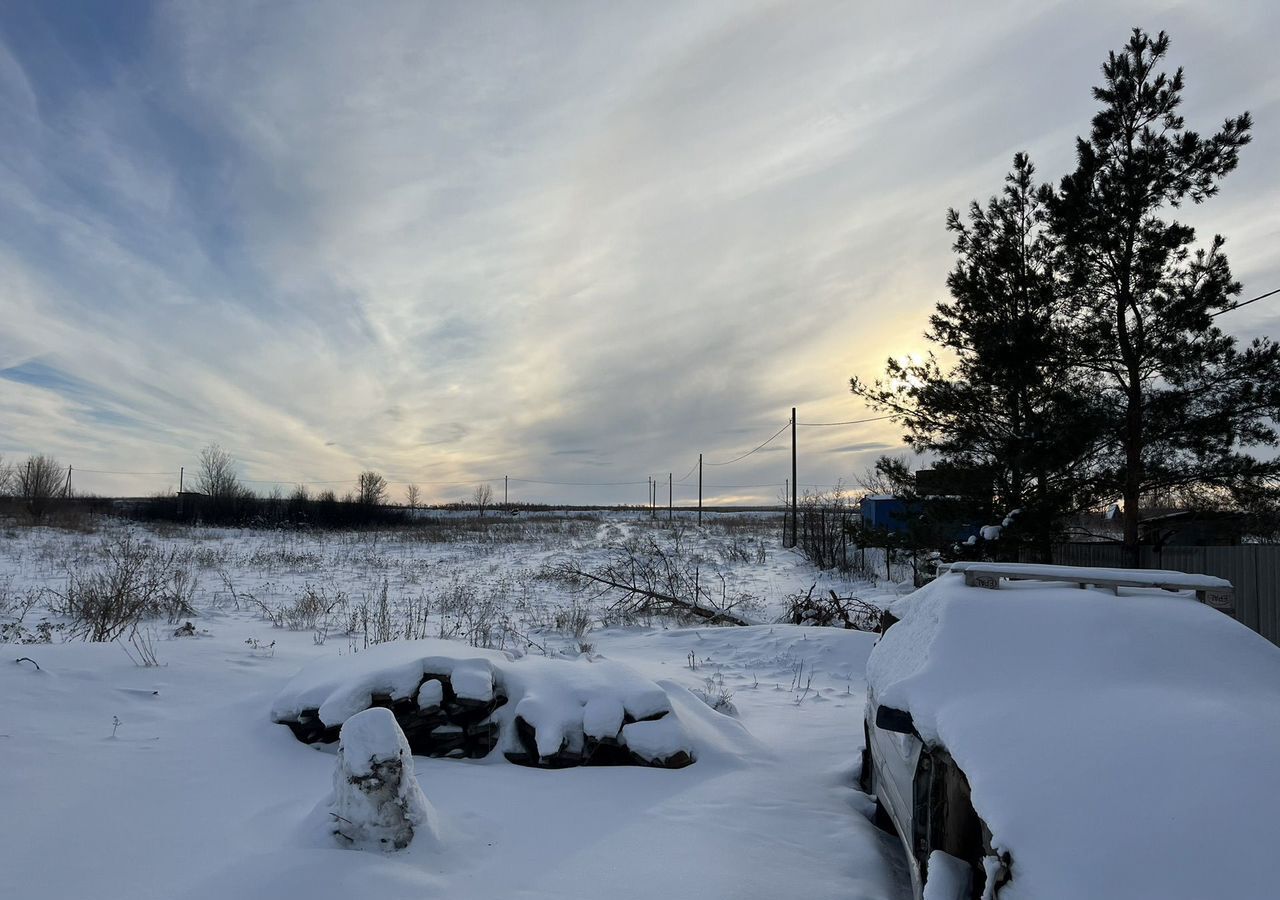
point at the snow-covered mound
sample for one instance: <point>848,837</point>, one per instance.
<point>1116,746</point>
<point>377,802</point>
<point>454,700</point>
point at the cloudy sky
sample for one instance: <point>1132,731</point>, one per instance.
<point>565,242</point>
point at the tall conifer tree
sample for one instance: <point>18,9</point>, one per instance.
<point>1008,402</point>
<point>1182,400</point>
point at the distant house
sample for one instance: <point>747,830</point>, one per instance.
<point>1194,528</point>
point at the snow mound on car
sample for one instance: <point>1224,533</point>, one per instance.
<point>1116,746</point>
<point>453,700</point>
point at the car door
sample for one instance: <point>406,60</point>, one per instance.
<point>896,757</point>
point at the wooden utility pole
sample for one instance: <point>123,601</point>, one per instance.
<point>66,491</point>
<point>699,488</point>
<point>786,492</point>
<point>670,488</point>
<point>794,504</point>
<point>182,470</point>
<point>504,490</point>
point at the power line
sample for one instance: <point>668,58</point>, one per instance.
<point>690,487</point>
<point>1245,303</point>
<point>109,472</point>
<point>468,481</point>
<point>628,483</point>
<point>850,422</point>
<point>749,452</point>
<point>286,481</point>
<point>579,483</point>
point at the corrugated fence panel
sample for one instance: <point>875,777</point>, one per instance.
<point>1253,569</point>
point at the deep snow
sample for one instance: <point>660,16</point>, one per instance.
<point>200,795</point>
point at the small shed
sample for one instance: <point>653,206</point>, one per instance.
<point>885,512</point>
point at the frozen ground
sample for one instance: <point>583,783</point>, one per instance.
<point>197,794</point>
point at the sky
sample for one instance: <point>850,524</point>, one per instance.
<point>557,241</point>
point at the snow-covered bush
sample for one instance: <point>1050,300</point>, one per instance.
<point>717,695</point>
<point>377,802</point>
<point>134,581</point>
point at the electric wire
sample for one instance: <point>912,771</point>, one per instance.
<point>749,452</point>
<point>1233,307</point>
<point>112,472</point>
<point>850,422</point>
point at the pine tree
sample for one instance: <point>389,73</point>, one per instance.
<point>1009,402</point>
<point>1182,401</point>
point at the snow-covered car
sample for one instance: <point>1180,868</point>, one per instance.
<point>1048,741</point>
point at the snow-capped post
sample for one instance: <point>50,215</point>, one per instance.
<point>377,803</point>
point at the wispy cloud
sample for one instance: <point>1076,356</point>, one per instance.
<point>575,242</point>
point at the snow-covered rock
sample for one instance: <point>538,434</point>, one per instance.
<point>377,802</point>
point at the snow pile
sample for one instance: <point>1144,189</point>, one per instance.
<point>376,801</point>
<point>656,738</point>
<point>1116,746</point>
<point>453,700</point>
<point>949,877</point>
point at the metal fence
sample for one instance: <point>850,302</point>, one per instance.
<point>1253,569</point>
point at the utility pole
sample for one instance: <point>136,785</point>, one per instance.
<point>699,488</point>
<point>66,491</point>
<point>794,504</point>
<point>670,487</point>
<point>649,495</point>
<point>504,490</point>
<point>182,470</point>
<point>786,492</point>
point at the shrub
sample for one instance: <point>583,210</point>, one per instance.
<point>134,581</point>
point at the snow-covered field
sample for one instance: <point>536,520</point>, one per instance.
<point>196,793</point>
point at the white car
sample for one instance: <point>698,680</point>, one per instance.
<point>1091,735</point>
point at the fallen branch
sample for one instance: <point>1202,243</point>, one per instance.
<point>673,604</point>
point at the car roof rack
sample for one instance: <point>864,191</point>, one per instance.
<point>1209,589</point>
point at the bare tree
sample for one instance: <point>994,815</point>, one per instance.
<point>412,496</point>
<point>482,496</point>
<point>39,480</point>
<point>7,480</point>
<point>371,488</point>
<point>216,474</point>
